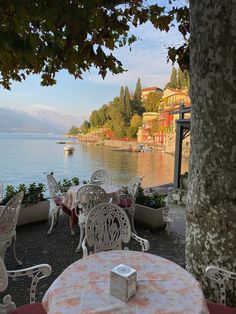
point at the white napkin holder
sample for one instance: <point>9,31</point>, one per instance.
<point>123,282</point>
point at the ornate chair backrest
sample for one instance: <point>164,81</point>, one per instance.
<point>221,277</point>
<point>1,192</point>
<point>100,176</point>
<point>90,195</point>
<point>107,227</point>
<point>52,186</point>
<point>10,214</point>
<point>133,186</point>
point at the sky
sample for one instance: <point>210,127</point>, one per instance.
<point>147,60</point>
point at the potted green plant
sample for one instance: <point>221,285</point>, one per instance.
<point>149,209</point>
<point>34,206</point>
<point>65,184</point>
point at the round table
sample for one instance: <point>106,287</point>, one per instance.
<point>69,199</point>
<point>163,287</point>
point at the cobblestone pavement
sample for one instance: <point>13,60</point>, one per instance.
<point>34,246</point>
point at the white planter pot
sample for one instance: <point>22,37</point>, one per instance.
<point>33,213</point>
<point>151,218</point>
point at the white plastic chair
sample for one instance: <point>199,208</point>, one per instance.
<point>129,199</point>
<point>8,220</point>
<point>107,227</point>
<point>100,177</point>
<point>36,273</point>
<point>86,198</point>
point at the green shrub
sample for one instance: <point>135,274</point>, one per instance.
<point>153,200</point>
<point>65,184</point>
<point>33,194</point>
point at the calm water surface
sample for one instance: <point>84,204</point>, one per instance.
<point>26,158</point>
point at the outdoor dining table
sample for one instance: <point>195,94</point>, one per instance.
<point>163,287</point>
<point>68,202</point>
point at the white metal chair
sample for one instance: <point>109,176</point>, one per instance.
<point>127,201</point>
<point>1,191</point>
<point>36,273</point>
<point>8,220</point>
<point>221,277</point>
<point>168,217</point>
<point>100,177</point>
<point>55,202</point>
<point>86,198</point>
<point>107,227</point>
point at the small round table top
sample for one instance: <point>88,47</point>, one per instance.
<point>163,287</point>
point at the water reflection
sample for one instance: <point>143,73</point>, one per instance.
<point>154,167</point>
<point>26,159</point>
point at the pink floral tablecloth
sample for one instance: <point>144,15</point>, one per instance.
<point>163,287</point>
<point>70,197</point>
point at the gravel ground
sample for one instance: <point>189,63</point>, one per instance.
<point>34,246</point>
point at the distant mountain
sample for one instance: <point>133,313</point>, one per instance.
<point>38,119</point>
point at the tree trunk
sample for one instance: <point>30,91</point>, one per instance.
<point>211,206</point>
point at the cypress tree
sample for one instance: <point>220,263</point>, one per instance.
<point>181,79</point>
<point>136,104</point>
<point>138,90</point>
<point>122,108</point>
<point>173,78</point>
<point>187,79</point>
<point>127,103</point>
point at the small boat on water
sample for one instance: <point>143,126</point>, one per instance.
<point>142,148</point>
<point>69,149</point>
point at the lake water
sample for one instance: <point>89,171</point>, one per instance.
<point>27,158</point>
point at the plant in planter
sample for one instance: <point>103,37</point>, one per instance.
<point>65,184</point>
<point>34,205</point>
<point>33,194</point>
<point>152,199</point>
<point>149,209</point>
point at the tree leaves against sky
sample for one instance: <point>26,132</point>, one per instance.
<point>46,36</point>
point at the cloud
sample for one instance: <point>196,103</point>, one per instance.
<point>147,59</point>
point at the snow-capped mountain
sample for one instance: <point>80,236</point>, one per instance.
<point>38,119</point>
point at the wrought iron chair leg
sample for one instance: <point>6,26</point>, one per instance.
<point>81,236</point>
<point>72,231</point>
<point>168,228</point>
<point>14,251</point>
<point>52,224</point>
<point>56,217</point>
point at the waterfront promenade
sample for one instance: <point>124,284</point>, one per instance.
<point>35,246</point>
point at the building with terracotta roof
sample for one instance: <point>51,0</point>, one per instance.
<point>147,90</point>
<point>159,127</point>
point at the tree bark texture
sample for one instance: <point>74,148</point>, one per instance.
<point>211,204</point>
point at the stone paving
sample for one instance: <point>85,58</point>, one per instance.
<point>34,246</point>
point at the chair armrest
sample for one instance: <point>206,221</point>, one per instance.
<point>125,196</point>
<point>143,242</point>
<point>35,272</point>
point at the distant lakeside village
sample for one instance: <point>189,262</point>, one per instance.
<point>145,119</point>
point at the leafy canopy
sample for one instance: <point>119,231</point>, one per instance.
<point>46,36</point>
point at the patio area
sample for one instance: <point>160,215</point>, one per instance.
<point>34,246</point>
